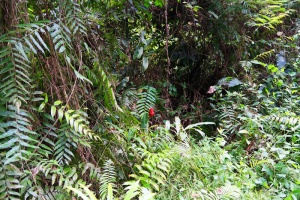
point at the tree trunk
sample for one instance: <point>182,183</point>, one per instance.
<point>8,15</point>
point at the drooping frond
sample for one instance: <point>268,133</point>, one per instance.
<point>17,140</point>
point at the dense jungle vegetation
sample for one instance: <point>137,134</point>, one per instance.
<point>149,99</point>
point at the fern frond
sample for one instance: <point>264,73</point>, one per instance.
<point>105,89</point>
<point>60,37</point>
<point>9,180</point>
<point>63,146</point>
<point>153,169</point>
<point>129,98</point>
<point>108,179</point>
<point>265,55</point>
<point>76,121</point>
<point>17,140</point>
<point>207,195</point>
<point>147,98</point>
<point>74,17</point>
<point>63,179</point>
<point>293,121</point>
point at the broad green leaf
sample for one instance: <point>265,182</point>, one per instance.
<point>41,107</point>
<point>53,111</point>
<point>60,114</point>
<point>72,121</point>
<point>138,53</point>
<point>159,3</point>
<point>133,190</point>
<point>58,102</point>
<point>67,117</point>
<point>145,63</point>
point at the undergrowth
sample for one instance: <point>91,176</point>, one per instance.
<point>75,120</point>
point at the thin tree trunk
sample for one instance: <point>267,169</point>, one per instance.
<point>8,15</point>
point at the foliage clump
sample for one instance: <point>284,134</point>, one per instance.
<point>78,78</point>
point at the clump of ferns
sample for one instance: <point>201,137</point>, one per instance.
<point>154,156</point>
<point>152,170</point>
<point>285,120</point>
<point>161,139</point>
<point>59,180</point>
<point>157,140</point>
<point>55,152</point>
<point>225,192</point>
